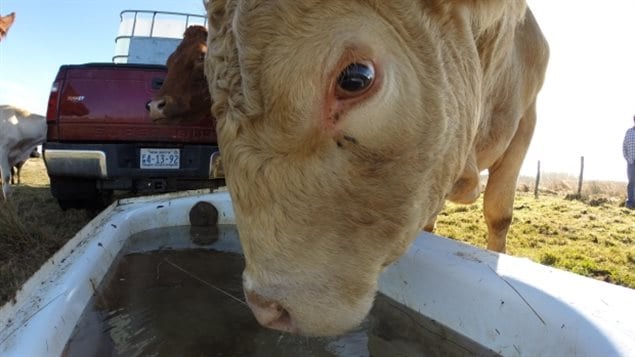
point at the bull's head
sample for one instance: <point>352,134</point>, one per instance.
<point>343,127</point>
<point>184,95</point>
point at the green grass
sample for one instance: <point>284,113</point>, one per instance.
<point>593,237</point>
<point>32,228</point>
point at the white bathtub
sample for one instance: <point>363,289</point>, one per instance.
<point>510,305</point>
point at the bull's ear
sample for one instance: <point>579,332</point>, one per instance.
<point>6,22</point>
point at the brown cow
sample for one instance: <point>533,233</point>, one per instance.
<point>5,24</point>
<point>184,94</point>
<point>344,125</point>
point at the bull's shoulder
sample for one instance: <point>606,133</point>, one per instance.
<point>513,56</point>
<point>531,42</point>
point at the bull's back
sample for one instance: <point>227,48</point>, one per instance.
<point>20,132</point>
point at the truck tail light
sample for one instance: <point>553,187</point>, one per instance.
<point>51,110</point>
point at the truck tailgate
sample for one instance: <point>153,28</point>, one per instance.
<point>103,103</point>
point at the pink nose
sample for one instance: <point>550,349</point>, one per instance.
<point>156,108</point>
<point>269,313</point>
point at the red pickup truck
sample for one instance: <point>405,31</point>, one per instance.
<point>101,138</point>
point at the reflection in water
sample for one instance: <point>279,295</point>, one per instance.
<point>190,303</point>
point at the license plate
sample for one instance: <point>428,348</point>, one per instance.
<point>160,159</point>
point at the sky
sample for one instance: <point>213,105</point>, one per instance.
<point>584,109</point>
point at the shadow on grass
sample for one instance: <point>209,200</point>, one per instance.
<point>32,228</point>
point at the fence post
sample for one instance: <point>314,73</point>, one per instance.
<point>581,175</point>
<point>537,181</point>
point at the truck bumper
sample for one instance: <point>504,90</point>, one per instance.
<point>122,161</point>
<point>82,163</point>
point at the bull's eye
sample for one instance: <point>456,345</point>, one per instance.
<point>355,79</point>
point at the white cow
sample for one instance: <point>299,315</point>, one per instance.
<point>17,169</point>
<point>20,133</point>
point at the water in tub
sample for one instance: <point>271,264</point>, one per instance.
<point>175,302</point>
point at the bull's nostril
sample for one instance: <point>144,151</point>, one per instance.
<point>156,108</point>
<point>269,313</point>
<point>265,310</point>
<point>283,320</point>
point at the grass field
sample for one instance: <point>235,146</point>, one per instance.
<point>32,228</point>
<point>593,235</point>
<point>594,238</point>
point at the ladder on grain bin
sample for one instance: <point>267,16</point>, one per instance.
<point>147,36</point>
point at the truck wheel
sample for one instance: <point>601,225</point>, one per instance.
<point>72,192</point>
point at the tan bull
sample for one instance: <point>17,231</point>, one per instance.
<point>344,126</point>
